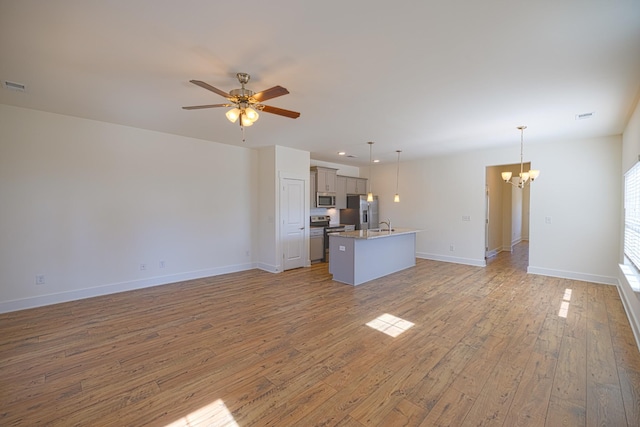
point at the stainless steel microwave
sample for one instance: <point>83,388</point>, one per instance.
<point>326,200</point>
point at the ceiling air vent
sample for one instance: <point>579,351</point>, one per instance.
<point>585,115</point>
<point>13,86</point>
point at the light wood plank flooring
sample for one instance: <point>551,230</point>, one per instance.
<point>488,346</point>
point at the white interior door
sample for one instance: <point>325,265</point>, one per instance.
<point>293,223</point>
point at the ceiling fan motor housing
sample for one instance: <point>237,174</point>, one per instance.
<point>241,93</point>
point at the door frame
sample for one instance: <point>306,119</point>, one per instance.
<point>492,184</point>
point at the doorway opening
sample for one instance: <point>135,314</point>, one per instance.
<point>507,213</point>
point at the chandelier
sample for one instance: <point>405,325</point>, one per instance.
<point>524,177</point>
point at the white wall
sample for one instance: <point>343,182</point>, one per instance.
<point>85,203</point>
<point>276,162</point>
<point>582,241</point>
<point>516,215</point>
<point>294,164</point>
<point>267,209</point>
<point>435,193</point>
<point>496,188</point>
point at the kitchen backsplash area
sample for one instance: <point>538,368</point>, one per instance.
<point>333,213</point>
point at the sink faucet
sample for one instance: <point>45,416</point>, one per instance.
<point>388,222</point>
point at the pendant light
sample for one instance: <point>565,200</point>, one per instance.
<point>396,198</point>
<point>370,193</point>
<point>524,177</point>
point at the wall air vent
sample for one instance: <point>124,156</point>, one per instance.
<point>585,115</point>
<point>352,156</point>
<point>14,86</point>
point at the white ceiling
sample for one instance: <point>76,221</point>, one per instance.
<point>424,77</point>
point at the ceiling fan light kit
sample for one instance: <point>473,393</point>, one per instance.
<point>233,114</point>
<point>523,177</point>
<point>245,102</point>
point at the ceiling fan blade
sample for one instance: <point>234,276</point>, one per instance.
<point>280,112</point>
<point>211,88</point>
<point>197,107</point>
<point>270,93</point>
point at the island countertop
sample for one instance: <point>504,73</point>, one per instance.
<point>374,234</point>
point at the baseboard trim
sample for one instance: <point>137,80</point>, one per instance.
<point>43,300</point>
<point>271,268</point>
<point>594,278</point>
<point>455,260</point>
<point>492,253</point>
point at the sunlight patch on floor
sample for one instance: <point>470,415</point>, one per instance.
<point>390,324</point>
<point>215,414</point>
<point>564,305</point>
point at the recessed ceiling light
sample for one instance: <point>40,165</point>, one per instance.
<point>341,153</point>
<point>585,115</point>
<point>14,86</point>
<point>376,161</point>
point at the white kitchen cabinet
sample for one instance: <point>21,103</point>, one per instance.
<point>356,185</point>
<point>325,179</point>
<point>341,192</point>
<point>312,189</point>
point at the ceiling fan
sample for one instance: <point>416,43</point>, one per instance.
<point>245,102</point>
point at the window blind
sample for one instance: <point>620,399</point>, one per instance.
<point>632,215</point>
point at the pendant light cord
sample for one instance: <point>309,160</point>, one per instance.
<point>370,167</point>
<point>398,170</point>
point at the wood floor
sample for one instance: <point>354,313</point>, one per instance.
<point>487,346</point>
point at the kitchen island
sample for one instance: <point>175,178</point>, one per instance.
<point>356,257</point>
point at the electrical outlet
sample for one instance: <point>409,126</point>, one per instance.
<point>466,218</point>
<point>143,267</point>
<point>452,248</point>
<point>161,264</point>
<point>40,279</point>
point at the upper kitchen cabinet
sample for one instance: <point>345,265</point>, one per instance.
<point>341,192</point>
<point>356,185</point>
<point>312,189</point>
<point>325,179</point>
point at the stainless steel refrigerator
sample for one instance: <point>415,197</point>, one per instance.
<point>359,212</point>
